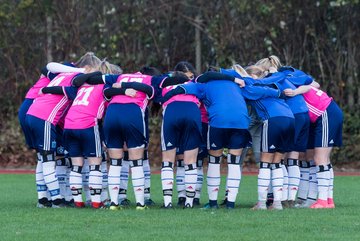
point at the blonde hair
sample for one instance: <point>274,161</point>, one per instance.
<point>107,68</point>
<point>271,61</point>
<point>258,71</point>
<point>240,70</point>
<point>88,59</point>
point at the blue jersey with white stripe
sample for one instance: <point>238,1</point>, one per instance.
<point>296,77</point>
<point>265,107</point>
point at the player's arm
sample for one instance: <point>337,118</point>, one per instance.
<point>62,68</point>
<point>214,76</point>
<point>191,89</point>
<point>68,91</point>
<point>253,92</point>
<point>111,92</point>
<point>80,79</point>
<point>147,89</point>
<point>174,78</point>
<point>298,91</point>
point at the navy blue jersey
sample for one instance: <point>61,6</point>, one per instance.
<point>265,107</point>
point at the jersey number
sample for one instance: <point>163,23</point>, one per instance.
<point>82,96</point>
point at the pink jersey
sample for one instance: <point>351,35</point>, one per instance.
<point>204,114</point>
<point>34,90</point>
<point>50,107</point>
<point>87,108</point>
<point>317,101</point>
<point>181,97</point>
<point>140,98</point>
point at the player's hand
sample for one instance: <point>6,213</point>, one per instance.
<point>240,82</point>
<point>116,85</point>
<point>289,92</point>
<point>130,92</point>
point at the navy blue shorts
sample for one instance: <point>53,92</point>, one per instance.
<point>181,126</point>
<point>203,151</point>
<point>327,130</point>
<point>124,123</point>
<point>21,115</point>
<point>42,133</point>
<point>277,134</point>
<point>231,138</point>
<point>83,142</point>
<point>301,136</point>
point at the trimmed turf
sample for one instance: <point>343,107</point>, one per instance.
<point>21,220</point>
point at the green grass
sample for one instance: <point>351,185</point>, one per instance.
<point>21,220</point>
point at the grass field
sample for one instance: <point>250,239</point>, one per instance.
<point>21,220</point>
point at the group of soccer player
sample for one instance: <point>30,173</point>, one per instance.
<point>88,122</point>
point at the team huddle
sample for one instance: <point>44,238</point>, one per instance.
<point>88,122</point>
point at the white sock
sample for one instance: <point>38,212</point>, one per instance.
<point>50,177</point>
<point>313,189</point>
<point>264,178</point>
<point>124,179</point>
<point>167,181</point>
<point>147,174</point>
<point>200,178</point>
<point>180,178</point>
<point>39,178</point>
<point>304,180</point>
<point>233,177</point>
<point>104,192</point>
<point>323,179</point>
<point>61,169</point>
<point>68,195</point>
<point>190,181</point>
<point>213,177</point>
<point>285,187</point>
<point>75,183</point>
<point>114,179</point>
<point>85,176</point>
<point>138,180</point>
<point>331,182</point>
<point>95,183</point>
<point>293,177</point>
<point>277,180</point>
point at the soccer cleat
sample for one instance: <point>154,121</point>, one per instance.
<point>79,204</point>
<point>114,207</point>
<point>259,206</point>
<point>58,203</point>
<point>43,203</point>
<point>106,203</point>
<point>224,202</point>
<point>70,203</point>
<point>291,203</point>
<point>208,206</point>
<point>125,202</point>
<point>276,206</point>
<point>308,203</point>
<point>149,202</point>
<point>299,203</point>
<point>285,204</point>
<point>196,202</point>
<point>141,207</point>
<point>88,203</point>
<point>97,205</point>
<point>331,203</point>
<point>230,205</point>
<point>188,206</point>
<point>319,204</point>
<point>169,206</point>
<point>181,201</point>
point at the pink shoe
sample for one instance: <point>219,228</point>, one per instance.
<point>331,203</point>
<point>97,205</point>
<point>320,204</point>
<point>79,204</point>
